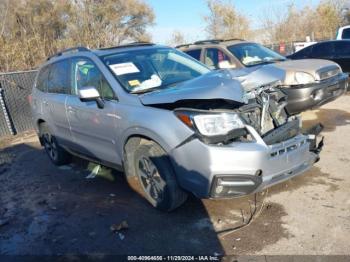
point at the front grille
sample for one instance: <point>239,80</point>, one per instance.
<point>251,114</point>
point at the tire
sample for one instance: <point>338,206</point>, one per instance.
<point>56,153</point>
<point>156,177</point>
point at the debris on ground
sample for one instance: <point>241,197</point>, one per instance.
<point>119,227</point>
<point>121,236</point>
<point>94,172</point>
<point>112,195</point>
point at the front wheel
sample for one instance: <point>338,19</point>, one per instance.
<point>156,177</point>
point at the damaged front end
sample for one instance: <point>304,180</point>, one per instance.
<point>241,142</point>
<point>263,110</point>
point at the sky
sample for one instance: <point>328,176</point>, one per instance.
<point>186,16</point>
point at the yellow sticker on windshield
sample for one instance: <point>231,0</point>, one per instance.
<point>134,83</point>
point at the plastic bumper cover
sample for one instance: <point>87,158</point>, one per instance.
<point>240,168</point>
<point>314,95</point>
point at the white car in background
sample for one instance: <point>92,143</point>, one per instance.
<point>343,33</point>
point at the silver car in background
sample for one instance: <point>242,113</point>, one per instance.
<point>172,125</point>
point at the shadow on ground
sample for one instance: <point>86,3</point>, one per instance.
<point>51,210</point>
<point>330,118</point>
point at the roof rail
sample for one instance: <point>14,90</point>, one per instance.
<point>233,39</point>
<point>209,41</point>
<point>69,50</point>
<point>128,45</point>
<point>183,45</point>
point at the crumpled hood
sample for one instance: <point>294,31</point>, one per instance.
<point>253,77</point>
<point>310,66</point>
<point>213,85</point>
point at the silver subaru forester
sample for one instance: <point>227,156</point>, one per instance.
<point>170,123</point>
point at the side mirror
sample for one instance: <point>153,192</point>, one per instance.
<point>90,93</point>
<point>226,65</point>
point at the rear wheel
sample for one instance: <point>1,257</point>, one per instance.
<point>56,153</point>
<point>156,177</point>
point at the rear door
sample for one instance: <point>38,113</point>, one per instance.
<point>54,101</point>
<point>93,128</point>
<point>342,55</point>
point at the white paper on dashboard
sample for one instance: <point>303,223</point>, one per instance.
<point>124,68</point>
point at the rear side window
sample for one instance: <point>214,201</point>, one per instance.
<point>58,81</point>
<point>214,56</point>
<point>85,73</point>
<point>196,53</point>
<point>323,50</point>
<point>305,52</point>
<point>42,79</point>
<point>342,49</point>
<point>346,34</point>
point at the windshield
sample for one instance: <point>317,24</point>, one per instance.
<point>251,54</point>
<point>144,70</point>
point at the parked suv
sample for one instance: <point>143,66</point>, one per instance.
<point>169,122</point>
<point>307,83</point>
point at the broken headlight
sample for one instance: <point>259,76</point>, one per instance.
<point>217,124</point>
<point>213,127</point>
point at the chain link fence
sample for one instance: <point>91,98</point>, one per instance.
<point>15,112</point>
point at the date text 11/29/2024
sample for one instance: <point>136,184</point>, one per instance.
<point>173,258</point>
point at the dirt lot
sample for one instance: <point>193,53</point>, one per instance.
<point>50,210</point>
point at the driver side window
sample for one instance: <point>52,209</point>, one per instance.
<point>86,73</point>
<point>213,57</point>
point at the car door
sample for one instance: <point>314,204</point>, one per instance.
<point>342,55</point>
<point>54,101</point>
<point>93,128</point>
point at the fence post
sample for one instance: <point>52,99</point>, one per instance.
<point>8,121</point>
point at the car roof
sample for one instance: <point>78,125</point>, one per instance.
<point>333,41</point>
<point>126,48</point>
<point>212,42</point>
<point>66,53</point>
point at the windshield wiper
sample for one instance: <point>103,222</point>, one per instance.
<point>174,83</point>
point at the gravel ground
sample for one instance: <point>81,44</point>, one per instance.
<point>49,210</point>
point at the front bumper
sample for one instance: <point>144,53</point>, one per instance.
<point>200,166</point>
<point>314,95</point>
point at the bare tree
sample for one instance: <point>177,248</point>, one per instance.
<point>177,38</point>
<point>224,21</point>
<point>31,30</point>
<point>294,25</point>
